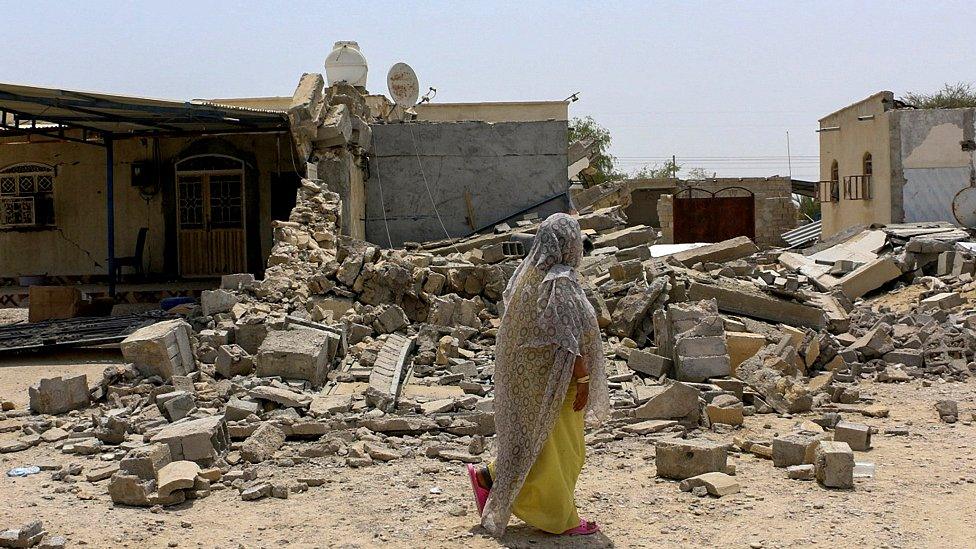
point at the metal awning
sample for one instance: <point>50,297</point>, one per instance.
<point>49,111</point>
<point>101,119</point>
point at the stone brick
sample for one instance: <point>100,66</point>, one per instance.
<point>672,401</point>
<point>742,345</point>
<point>217,301</point>
<point>868,277</point>
<point>944,301</point>
<point>720,252</point>
<point>680,459</point>
<point>162,349</point>
<point>238,409</point>
<point>700,368</point>
<point>795,448</point>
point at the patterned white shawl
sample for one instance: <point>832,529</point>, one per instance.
<point>547,323</point>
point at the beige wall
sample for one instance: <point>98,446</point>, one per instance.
<point>80,205</point>
<point>515,111</point>
<point>847,146</point>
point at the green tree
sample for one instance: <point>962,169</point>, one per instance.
<point>809,207</point>
<point>603,162</point>
<point>658,171</point>
<point>951,96</point>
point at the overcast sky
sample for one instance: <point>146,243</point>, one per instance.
<point>717,84</point>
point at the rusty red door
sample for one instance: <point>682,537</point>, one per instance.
<point>701,216</point>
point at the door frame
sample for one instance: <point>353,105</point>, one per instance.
<point>205,175</point>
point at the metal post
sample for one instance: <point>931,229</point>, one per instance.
<point>110,209</point>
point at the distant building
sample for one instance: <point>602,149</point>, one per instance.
<point>882,161</point>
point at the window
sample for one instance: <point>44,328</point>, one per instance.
<point>27,195</point>
<point>829,191</point>
<point>866,164</point>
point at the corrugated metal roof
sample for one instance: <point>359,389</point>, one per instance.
<point>802,235</point>
<point>125,115</point>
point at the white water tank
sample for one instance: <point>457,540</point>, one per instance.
<point>345,63</point>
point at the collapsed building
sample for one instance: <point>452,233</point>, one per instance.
<point>351,354</point>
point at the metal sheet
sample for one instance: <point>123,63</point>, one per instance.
<point>929,192</point>
<point>714,219</point>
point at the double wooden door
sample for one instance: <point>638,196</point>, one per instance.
<point>211,221</point>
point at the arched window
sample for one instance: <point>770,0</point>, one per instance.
<point>866,164</point>
<point>834,171</point>
<point>27,195</point>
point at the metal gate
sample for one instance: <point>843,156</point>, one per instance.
<point>703,216</point>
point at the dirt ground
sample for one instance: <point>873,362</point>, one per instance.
<point>922,494</point>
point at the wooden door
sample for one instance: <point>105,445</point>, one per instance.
<point>211,222</point>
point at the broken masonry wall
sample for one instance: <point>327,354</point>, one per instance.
<point>478,173</point>
<point>934,160</point>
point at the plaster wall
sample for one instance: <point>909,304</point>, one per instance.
<point>847,145</point>
<point>77,246</point>
<point>478,173</point>
<point>936,165</point>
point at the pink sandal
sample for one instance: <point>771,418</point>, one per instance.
<point>480,494</point>
<point>585,528</point>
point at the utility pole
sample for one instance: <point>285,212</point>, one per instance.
<point>789,158</point>
<point>674,167</point>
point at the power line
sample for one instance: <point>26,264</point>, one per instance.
<point>430,195</point>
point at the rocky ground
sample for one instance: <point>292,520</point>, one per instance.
<point>920,496</point>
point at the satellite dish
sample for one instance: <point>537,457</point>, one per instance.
<point>403,85</point>
<point>964,207</point>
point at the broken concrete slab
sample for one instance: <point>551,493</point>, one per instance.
<point>178,475</point>
<point>281,396</point>
<point>869,277</point>
<point>146,461</point>
<point>162,349</point>
<point>674,400</point>
<point>217,301</point>
<point>727,250</point>
<point>232,360</point>
<point>648,363</point>
<point>717,484</point>
<point>649,426</point>
<point>749,303</point>
<point>126,489</point>
<point>856,435</point>
<point>741,346</point>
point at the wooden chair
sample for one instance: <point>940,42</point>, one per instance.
<point>135,261</point>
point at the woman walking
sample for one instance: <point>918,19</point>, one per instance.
<point>549,378</point>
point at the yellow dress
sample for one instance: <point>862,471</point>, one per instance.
<point>546,500</point>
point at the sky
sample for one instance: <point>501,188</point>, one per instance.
<point>717,84</point>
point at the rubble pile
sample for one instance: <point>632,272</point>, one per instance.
<point>346,354</point>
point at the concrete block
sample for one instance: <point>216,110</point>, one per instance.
<point>801,472</point>
<point>909,357</point>
<point>281,396</point>
<point>53,302</point>
<point>262,444</point>
<point>237,281</point>
<point>146,461</point>
<point>250,336</point>
<point>795,448</point>
<point>233,360</point>
<point>238,409</point>
<point>680,459</point>
<point>627,237</point>
<point>725,409</point>
<point>741,346</point>
<point>217,301</point>
<point>700,346</point>
<point>295,354</point>
<point>649,426</point>
<point>125,489</point>
<point>700,368</point>
<point>856,435</point>
<point>834,464</point>
<point>648,363</point>
<point>58,395</point>
<point>176,405</point>
<point>201,440</point>
<point>162,349</point>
